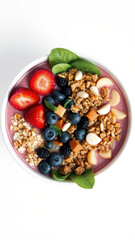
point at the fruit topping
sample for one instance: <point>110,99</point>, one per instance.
<point>115,98</point>
<point>75,118</point>
<point>94,90</point>
<point>42,152</point>
<point>80,134</point>
<point>65,137</point>
<point>58,95</point>
<point>51,118</point>
<point>82,94</point>
<point>55,159</point>
<point>91,157</point>
<point>44,167</point>
<point>61,82</point>
<point>78,75</point>
<point>60,123</point>
<point>23,98</point>
<point>49,144</point>
<point>104,110</point>
<point>67,91</point>
<point>118,114</point>
<point>60,111</point>
<point>65,150</point>
<point>84,122</point>
<point>75,146</point>
<point>105,154</point>
<point>104,82</point>
<point>58,143</point>
<point>35,116</point>
<point>93,139</point>
<point>42,82</point>
<point>49,99</point>
<point>92,115</point>
<point>49,134</point>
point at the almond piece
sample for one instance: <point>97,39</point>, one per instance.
<point>104,82</point>
<point>66,126</point>
<point>78,75</point>
<point>82,94</point>
<point>104,110</point>
<point>94,90</point>
<point>93,139</point>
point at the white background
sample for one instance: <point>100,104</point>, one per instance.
<point>34,209</point>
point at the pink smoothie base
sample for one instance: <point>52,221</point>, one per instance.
<point>23,81</point>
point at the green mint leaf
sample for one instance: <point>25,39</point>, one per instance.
<point>50,106</point>
<point>67,102</point>
<point>60,67</point>
<point>86,180</point>
<point>61,55</point>
<point>86,66</point>
<point>57,176</point>
<point>57,130</point>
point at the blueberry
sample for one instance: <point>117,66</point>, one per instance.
<point>80,134</point>
<point>49,134</point>
<point>49,99</point>
<point>51,118</point>
<point>65,137</point>
<point>68,106</point>
<point>55,159</point>
<point>59,96</point>
<point>44,167</point>
<point>49,144</point>
<point>75,118</point>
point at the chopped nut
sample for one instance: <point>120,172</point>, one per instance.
<point>79,170</point>
<point>64,170</point>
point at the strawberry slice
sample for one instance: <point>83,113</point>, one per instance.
<point>23,98</point>
<point>35,116</point>
<point>42,82</point>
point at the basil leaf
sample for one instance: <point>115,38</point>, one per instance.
<point>86,66</point>
<point>86,180</point>
<point>57,176</point>
<point>67,102</point>
<point>61,55</point>
<point>50,106</point>
<point>57,130</point>
<point>61,67</point>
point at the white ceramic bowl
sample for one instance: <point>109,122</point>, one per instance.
<point>8,144</point>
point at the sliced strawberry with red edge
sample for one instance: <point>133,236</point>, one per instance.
<point>42,82</point>
<point>23,98</point>
<point>36,116</point>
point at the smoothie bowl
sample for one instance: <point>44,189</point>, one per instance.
<point>64,118</point>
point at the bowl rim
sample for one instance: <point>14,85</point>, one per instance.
<point>3,117</point>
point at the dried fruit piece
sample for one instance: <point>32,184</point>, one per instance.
<point>92,115</point>
<point>59,124</point>
<point>75,145</point>
<point>60,111</point>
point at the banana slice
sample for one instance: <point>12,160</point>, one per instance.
<point>91,157</point>
<point>105,154</point>
<point>102,82</point>
<point>93,139</point>
<point>104,110</point>
<point>115,98</point>
<point>118,114</point>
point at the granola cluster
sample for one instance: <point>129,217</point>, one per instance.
<point>104,126</point>
<point>26,139</point>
